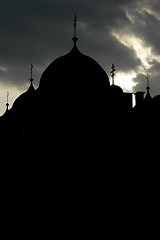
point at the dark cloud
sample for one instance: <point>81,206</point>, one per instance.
<point>38,31</point>
<point>146,22</point>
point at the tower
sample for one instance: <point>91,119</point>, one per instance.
<point>139,97</point>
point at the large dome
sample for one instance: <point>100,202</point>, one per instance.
<point>74,72</point>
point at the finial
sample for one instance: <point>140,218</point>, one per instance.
<point>113,72</point>
<point>75,39</point>
<point>31,69</point>
<point>148,96</point>
<point>147,78</point>
<point>7,104</point>
<point>75,25</point>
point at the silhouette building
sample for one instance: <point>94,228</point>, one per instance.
<point>72,84</point>
<point>76,112</point>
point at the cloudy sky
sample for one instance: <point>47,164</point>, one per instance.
<point>123,32</point>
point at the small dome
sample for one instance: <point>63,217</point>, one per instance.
<point>74,72</point>
<point>24,99</point>
<point>116,90</point>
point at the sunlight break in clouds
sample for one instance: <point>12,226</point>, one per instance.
<point>143,52</point>
<point>125,80</point>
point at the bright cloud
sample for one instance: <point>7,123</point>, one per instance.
<point>125,80</point>
<point>143,8</point>
<point>3,69</point>
<point>143,52</point>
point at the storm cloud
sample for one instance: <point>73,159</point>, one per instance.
<point>120,31</point>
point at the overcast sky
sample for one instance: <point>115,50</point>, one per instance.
<point>123,32</point>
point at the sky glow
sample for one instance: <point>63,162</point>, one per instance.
<point>122,32</point>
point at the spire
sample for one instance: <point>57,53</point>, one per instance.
<point>75,39</point>
<point>31,69</point>
<point>7,104</point>
<point>113,72</point>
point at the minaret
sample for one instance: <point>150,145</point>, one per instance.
<point>75,39</point>
<point>113,72</point>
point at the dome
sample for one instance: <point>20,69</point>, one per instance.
<point>24,100</point>
<point>116,90</point>
<point>74,73</point>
